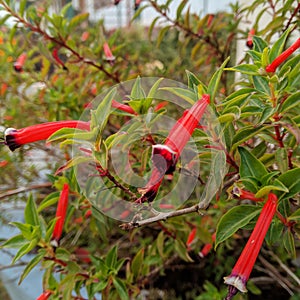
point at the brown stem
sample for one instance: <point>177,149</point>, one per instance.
<point>25,189</point>
<point>296,10</point>
<point>162,217</point>
<point>187,30</point>
<point>278,137</point>
<point>108,175</point>
<point>61,42</point>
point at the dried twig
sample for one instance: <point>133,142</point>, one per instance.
<point>162,217</point>
<point>25,189</point>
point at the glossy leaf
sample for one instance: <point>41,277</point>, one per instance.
<point>250,165</point>
<point>291,179</point>
<point>236,218</point>
<point>137,263</point>
<point>215,80</point>
<point>30,212</point>
<point>37,259</point>
<point>245,69</point>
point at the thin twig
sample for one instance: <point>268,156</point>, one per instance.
<point>60,41</point>
<point>282,265</point>
<point>12,266</point>
<point>25,189</point>
<point>162,217</point>
<point>273,272</point>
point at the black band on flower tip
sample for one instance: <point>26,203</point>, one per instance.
<point>164,158</point>
<point>10,140</point>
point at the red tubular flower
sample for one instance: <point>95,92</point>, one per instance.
<point>271,68</point>
<point>107,52</point>
<point>137,4</point>
<point>44,296</point>
<point>123,107</point>
<point>165,157</point>
<point>210,19</point>
<point>61,212</point>
<point>57,58</point>
<point>18,65</point>
<point>191,238</point>
<point>85,35</point>
<point>249,42</point>
<point>15,138</point>
<point>243,194</point>
<point>207,247</point>
<point>241,271</point>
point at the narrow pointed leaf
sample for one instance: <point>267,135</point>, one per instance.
<point>233,220</point>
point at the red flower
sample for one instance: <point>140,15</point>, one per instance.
<point>107,52</point>
<point>165,157</point>
<point>18,65</point>
<point>191,238</point>
<point>249,42</point>
<point>123,107</point>
<point>61,212</point>
<point>57,58</point>
<point>207,247</point>
<point>44,296</point>
<point>243,194</point>
<point>241,271</point>
<point>15,138</point>
<point>271,68</point>
<point>137,4</point>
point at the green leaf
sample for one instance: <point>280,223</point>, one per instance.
<point>48,201</point>
<point>154,88</point>
<point>137,263</point>
<point>16,241</point>
<point>121,288</point>
<point>289,243</point>
<point>295,216</point>
<point>215,80</point>
<point>245,69</point>
<point>229,117</point>
<point>27,230</point>
<point>186,94</point>
<point>100,115</point>
<point>30,213</point>
<point>162,34</point>
<point>138,12</point>
<point>291,102</point>
<point>77,20</point>
<point>250,184</point>
<point>267,113</point>
<point>261,84</point>
<point>181,250</point>
<point>291,179</point>
<point>277,186</point>
<point>180,8</point>
<point>233,220</point>
<point>250,166</point>
<point>278,46</point>
<point>71,133</point>
<point>259,44</point>
<point>37,258</point>
<point>218,171</point>
<point>65,9</point>
<point>244,134</point>
<point>22,7</point>
<point>152,26</point>
<point>111,257</point>
<point>25,249</point>
<point>281,157</point>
